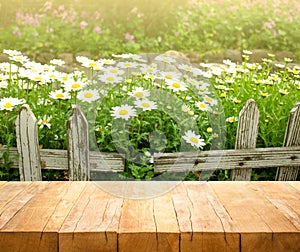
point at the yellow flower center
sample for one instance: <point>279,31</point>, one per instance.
<point>110,78</point>
<point>208,99</point>
<point>264,94</point>
<point>88,95</point>
<point>59,96</point>
<point>123,112</point>
<point>92,64</point>
<point>145,105</point>
<point>194,140</point>
<point>139,94</point>
<point>8,105</point>
<point>114,71</point>
<point>168,76</point>
<point>45,121</point>
<point>176,85</point>
<point>127,64</point>
<point>75,86</point>
<point>38,78</point>
<point>202,105</point>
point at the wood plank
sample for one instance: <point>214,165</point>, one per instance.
<point>166,223</point>
<point>285,198</point>
<point>92,223</point>
<point>211,225</point>
<point>14,204</point>
<point>246,136</point>
<point>28,145</point>
<point>137,229</point>
<point>295,184</point>
<point>10,190</point>
<point>25,231</point>
<point>291,138</point>
<point>58,160</point>
<point>228,159</point>
<point>78,146</point>
<point>2,183</point>
<point>261,225</point>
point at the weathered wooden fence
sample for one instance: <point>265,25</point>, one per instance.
<point>80,161</point>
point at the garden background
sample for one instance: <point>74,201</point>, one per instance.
<point>246,32</point>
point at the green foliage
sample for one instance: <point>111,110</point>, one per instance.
<point>135,27</point>
<point>6,172</point>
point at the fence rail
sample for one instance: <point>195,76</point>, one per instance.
<point>80,162</point>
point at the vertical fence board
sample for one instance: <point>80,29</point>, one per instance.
<point>28,145</point>
<point>78,146</point>
<point>291,138</point>
<point>246,136</point>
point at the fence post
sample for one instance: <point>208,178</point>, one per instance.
<point>28,145</point>
<point>78,146</point>
<point>246,136</point>
<point>291,138</point>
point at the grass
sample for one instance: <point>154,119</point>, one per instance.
<point>138,109</point>
<point>106,27</point>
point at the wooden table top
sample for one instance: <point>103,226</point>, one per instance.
<point>193,216</point>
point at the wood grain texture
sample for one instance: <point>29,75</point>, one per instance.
<point>58,160</point>
<point>206,225</point>
<point>291,138</point>
<point>26,230</point>
<point>246,136</point>
<point>193,216</point>
<point>261,225</point>
<point>227,159</point>
<point>78,146</point>
<point>28,145</point>
<point>92,223</point>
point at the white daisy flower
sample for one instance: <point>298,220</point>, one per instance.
<point>74,85</point>
<point>19,58</point>
<point>210,100</point>
<point>88,95</point>
<point>110,78</point>
<point>59,95</point>
<point>135,57</point>
<point>185,67</point>
<point>12,52</point>
<point>146,69</point>
<point>57,62</point>
<point>107,61</point>
<point>45,122</point>
<point>8,103</point>
<point>127,64</point>
<point>176,85</point>
<point>146,104</point>
<point>113,70</point>
<point>193,139</point>
<point>247,52</point>
<point>139,93</point>
<point>165,59</point>
<point>170,75</point>
<point>124,111</point>
<point>231,119</point>
<point>3,84</point>
<point>202,106</point>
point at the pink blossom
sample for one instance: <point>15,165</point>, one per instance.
<point>83,24</point>
<point>129,37</point>
<point>97,30</point>
<point>268,25</point>
<point>49,29</point>
<point>17,32</point>
<point>177,34</point>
